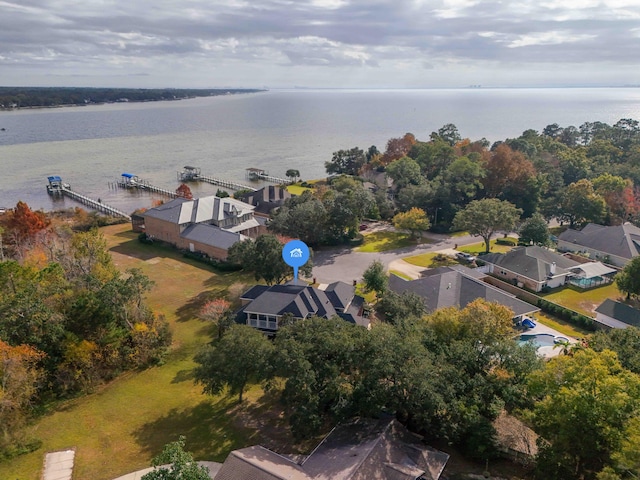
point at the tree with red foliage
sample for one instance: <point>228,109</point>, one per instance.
<point>398,148</point>
<point>22,226</point>
<point>184,191</point>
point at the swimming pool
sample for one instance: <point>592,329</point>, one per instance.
<point>538,339</point>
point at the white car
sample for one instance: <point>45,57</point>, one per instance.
<point>465,257</point>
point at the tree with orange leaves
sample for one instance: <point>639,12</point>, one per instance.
<point>19,376</point>
<point>184,191</point>
<point>398,148</point>
<point>23,225</point>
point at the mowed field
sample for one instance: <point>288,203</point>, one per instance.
<point>121,426</point>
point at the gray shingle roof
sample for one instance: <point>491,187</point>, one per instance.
<point>373,450</point>
<point>258,463</point>
<point>211,235</point>
<point>619,311</point>
<point>452,288</point>
<point>364,449</point>
<point>531,262</point>
<point>300,300</point>
<point>340,293</point>
<point>619,240</point>
<point>201,210</point>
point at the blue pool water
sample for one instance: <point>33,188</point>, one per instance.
<point>538,339</point>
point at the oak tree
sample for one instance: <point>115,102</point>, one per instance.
<point>482,218</point>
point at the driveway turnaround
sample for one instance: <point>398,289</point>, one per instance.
<point>59,465</point>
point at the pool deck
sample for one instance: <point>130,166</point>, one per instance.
<point>547,352</point>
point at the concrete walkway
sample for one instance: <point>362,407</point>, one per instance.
<point>213,467</point>
<point>59,465</point>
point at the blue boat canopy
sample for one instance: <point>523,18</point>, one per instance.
<point>54,178</point>
<point>128,175</point>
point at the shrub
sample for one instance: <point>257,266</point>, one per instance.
<point>144,238</point>
<point>570,316</point>
<point>505,241</point>
<point>219,265</point>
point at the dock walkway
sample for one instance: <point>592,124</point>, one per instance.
<point>193,174</point>
<point>129,180</point>
<point>260,174</point>
<point>57,187</point>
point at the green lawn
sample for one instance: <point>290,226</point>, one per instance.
<point>385,240</point>
<point>427,260</point>
<point>297,189</point>
<point>400,274</point>
<point>477,248</point>
<point>584,301</point>
<point>560,325</point>
<point>120,427</point>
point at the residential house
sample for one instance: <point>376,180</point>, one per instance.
<point>266,199</point>
<point>536,268</point>
<point>611,314</point>
<point>209,225</point>
<point>364,449</point>
<point>615,245</point>
<point>264,306</point>
<point>457,286</point>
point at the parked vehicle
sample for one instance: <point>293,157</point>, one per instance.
<point>465,257</point>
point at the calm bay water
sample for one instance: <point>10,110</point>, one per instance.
<point>89,147</point>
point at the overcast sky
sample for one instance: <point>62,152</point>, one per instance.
<point>319,43</point>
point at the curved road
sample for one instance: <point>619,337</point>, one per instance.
<point>342,263</point>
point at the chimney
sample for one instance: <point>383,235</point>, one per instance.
<point>552,269</point>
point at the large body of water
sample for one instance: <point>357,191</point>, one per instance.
<point>89,147</point>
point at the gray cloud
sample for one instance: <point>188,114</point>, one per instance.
<point>281,38</point>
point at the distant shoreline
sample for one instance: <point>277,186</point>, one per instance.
<point>29,98</point>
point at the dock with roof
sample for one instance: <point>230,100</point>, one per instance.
<point>57,188</point>
<point>194,174</point>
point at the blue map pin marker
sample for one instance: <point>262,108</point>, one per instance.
<point>295,254</point>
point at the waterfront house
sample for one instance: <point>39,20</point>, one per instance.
<point>266,199</point>
<point>208,225</point>
<point>263,307</point>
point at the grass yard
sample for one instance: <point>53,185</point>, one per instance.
<point>382,241</point>
<point>400,274</point>
<point>585,301</point>
<point>477,248</point>
<point>120,427</point>
<point>560,325</point>
<point>428,260</point>
<point>297,189</point>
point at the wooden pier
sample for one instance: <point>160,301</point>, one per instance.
<point>128,180</point>
<point>57,188</point>
<point>259,174</point>
<point>192,174</point>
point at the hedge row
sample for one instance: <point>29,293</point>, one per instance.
<point>570,316</point>
<point>219,265</point>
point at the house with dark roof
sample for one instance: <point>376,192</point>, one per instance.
<point>537,267</point>
<point>209,225</point>
<point>364,449</point>
<point>611,314</point>
<point>458,286</point>
<point>615,245</point>
<point>266,199</point>
<point>264,306</point>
